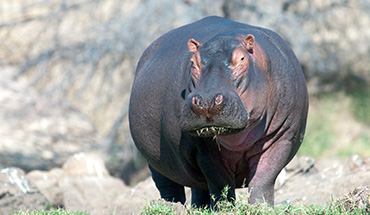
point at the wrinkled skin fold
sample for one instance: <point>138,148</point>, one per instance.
<point>218,103</point>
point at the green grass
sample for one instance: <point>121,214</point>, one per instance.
<point>49,212</point>
<point>244,208</point>
<point>225,207</point>
<point>350,204</point>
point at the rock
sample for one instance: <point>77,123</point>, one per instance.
<point>91,193</point>
<point>13,179</point>
<point>48,184</point>
<point>88,186</point>
<point>82,184</point>
<point>83,164</point>
<point>16,194</point>
<point>39,133</point>
<point>138,197</point>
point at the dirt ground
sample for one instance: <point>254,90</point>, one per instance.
<point>319,182</point>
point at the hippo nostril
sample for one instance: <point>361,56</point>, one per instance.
<point>197,105</point>
<point>196,101</point>
<point>219,99</point>
<point>218,104</point>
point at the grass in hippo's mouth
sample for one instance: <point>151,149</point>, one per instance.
<point>212,130</point>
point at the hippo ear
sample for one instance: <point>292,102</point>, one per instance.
<point>249,42</point>
<point>193,45</point>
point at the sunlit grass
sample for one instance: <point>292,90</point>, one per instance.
<point>348,206</point>
<point>49,212</point>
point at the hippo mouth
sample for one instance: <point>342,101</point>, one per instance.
<point>213,131</point>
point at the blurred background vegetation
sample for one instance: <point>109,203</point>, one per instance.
<point>84,53</point>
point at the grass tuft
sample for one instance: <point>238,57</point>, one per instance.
<point>162,207</point>
<point>49,212</point>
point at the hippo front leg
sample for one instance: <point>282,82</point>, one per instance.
<point>200,198</point>
<point>168,189</point>
<point>217,179</point>
<point>265,168</point>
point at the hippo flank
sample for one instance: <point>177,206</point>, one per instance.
<point>218,103</point>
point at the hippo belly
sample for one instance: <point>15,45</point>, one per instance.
<point>218,103</point>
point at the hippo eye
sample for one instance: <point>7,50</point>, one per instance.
<point>242,59</point>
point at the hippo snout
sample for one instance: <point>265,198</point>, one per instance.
<point>207,109</point>
<point>209,116</point>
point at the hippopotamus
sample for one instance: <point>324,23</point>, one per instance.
<point>218,103</point>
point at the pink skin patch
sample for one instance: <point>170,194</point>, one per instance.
<point>236,142</point>
<point>233,140</point>
<point>243,140</point>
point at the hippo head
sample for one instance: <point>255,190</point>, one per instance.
<point>222,84</point>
